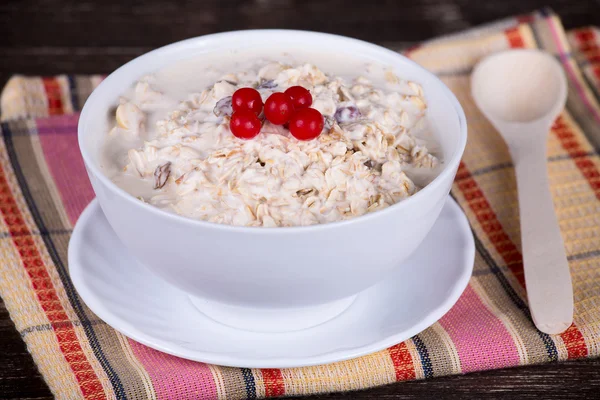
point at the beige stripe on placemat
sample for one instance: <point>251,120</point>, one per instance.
<point>341,376</point>
<point>44,195</point>
<point>25,310</point>
<point>147,390</point>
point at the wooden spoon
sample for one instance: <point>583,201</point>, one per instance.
<point>522,92</point>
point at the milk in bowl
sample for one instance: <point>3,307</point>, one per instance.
<point>169,142</point>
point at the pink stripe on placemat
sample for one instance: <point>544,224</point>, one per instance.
<point>564,59</point>
<point>58,137</point>
<point>173,377</point>
<point>481,339</point>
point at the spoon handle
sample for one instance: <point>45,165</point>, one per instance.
<point>547,274</point>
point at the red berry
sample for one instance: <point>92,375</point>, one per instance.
<point>244,124</point>
<point>300,96</point>
<point>247,99</point>
<point>279,108</point>
<point>306,124</point>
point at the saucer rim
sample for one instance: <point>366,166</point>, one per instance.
<point>172,348</point>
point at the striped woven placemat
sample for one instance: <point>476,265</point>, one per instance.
<point>44,188</point>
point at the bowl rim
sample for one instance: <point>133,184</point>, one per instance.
<point>448,168</point>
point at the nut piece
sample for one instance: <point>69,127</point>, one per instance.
<point>347,113</point>
<point>267,84</point>
<point>223,107</point>
<point>130,117</point>
<point>161,174</point>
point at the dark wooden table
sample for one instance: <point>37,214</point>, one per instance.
<point>60,36</point>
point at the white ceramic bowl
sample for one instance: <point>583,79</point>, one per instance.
<point>272,278</point>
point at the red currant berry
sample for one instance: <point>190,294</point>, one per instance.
<point>279,108</point>
<point>247,99</point>
<point>306,124</point>
<point>244,124</point>
<point>300,96</point>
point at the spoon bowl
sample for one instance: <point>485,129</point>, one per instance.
<point>522,92</point>
<point>519,86</point>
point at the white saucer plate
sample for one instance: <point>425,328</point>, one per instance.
<point>143,307</point>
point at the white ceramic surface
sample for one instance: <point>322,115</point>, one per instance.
<point>273,269</point>
<point>522,92</point>
<point>145,308</point>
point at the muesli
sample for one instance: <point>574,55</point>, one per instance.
<point>342,151</point>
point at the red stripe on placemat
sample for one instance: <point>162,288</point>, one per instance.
<point>569,142</point>
<point>593,58</point>
<point>525,19</point>
<point>408,52</point>
<point>273,380</point>
<point>489,222</point>
<point>403,363</point>
<point>585,35</point>
<point>54,96</point>
<point>588,47</point>
<point>574,342</point>
<point>573,338</point>
<point>597,72</point>
<point>46,294</point>
<point>513,35</point>
<point>586,42</point>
